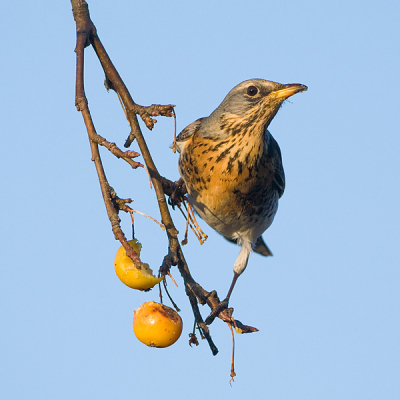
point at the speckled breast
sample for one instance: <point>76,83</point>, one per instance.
<point>229,184</point>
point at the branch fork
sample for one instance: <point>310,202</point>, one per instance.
<point>87,35</point>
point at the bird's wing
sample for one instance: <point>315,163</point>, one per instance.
<point>187,133</point>
<point>259,246</point>
<point>279,174</point>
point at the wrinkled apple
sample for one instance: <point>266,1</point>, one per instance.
<point>157,325</point>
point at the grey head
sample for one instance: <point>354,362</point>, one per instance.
<point>252,101</point>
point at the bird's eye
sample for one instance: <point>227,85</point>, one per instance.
<point>252,90</point>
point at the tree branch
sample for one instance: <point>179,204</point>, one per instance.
<point>87,35</point>
<point>85,28</point>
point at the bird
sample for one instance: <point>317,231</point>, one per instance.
<point>232,166</point>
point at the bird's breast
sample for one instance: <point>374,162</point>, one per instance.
<point>229,182</point>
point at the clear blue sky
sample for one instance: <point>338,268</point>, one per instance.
<point>326,304</point>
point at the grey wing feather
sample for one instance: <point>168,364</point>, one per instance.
<point>187,133</point>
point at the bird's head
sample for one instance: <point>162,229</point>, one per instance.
<point>253,103</point>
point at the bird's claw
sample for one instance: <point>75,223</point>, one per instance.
<point>177,195</point>
<point>221,310</point>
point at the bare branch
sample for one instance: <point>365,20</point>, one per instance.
<point>86,35</point>
<point>85,29</point>
<point>125,155</point>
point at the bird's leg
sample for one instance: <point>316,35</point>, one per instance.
<point>235,277</point>
<point>223,305</point>
<point>238,268</point>
<point>221,310</point>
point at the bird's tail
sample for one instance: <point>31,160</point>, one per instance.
<point>261,248</point>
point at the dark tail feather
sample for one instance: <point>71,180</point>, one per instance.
<point>259,247</point>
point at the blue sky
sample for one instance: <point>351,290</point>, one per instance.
<point>326,304</point>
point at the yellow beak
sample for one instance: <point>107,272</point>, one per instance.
<point>289,90</point>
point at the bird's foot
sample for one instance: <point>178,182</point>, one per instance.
<point>176,193</point>
<point>220,310</point>
<point>226,316</point>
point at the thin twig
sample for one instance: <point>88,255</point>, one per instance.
<point>169,296</point>
<point>185,240</point>
<point>147,216</point>
<point>160,293</point>
<point>233,374</point>
<point>172,278</point>
<point>125,155</point>
<point>203,236</point>
<point>174,144</point>
<point>148,174</point>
